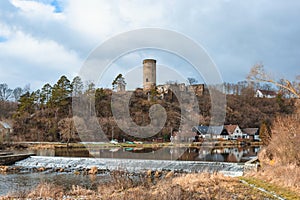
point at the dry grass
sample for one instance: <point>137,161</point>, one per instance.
<point>127,186</point>
<point>48,190</point>
<point>42,146</point>
<point>189,186</point>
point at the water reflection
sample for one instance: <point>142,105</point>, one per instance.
<point>236,154</point>
<point>220,154</point>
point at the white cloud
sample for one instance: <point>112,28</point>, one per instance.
<point>99,20</point>
<point>95,19</point>
<point>35,59</point>
<point>236,34</point>
<point>36,10</point>
<point>4,30</point>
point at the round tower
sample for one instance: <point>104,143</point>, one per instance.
<point>149,74</point>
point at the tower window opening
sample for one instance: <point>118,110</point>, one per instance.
<point>146,79</point>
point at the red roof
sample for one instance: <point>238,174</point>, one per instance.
<point>230,128</point>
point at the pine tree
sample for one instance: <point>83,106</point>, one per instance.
<point>26,103</point>
<point>77,86</point>
<point>46,93</point>
<point>60,92</point>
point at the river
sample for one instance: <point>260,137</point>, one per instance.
<point>182,156</point>
<point>232,154</point>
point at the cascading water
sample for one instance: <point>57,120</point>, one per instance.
<point>131,165</point>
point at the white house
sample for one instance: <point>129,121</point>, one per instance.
<point>265,94</point>
<point>234,131</point>
<point>213,132</point>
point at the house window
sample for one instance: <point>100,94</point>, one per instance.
<point>146,79</point>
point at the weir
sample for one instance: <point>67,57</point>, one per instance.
<point>9,159</point>
<point>131,165</point>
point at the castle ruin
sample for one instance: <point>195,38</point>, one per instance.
<point>149,74</point>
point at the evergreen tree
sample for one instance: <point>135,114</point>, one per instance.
<point>26,103</point>
<point>37,97</point>
<point>61,91</point>
<point>77,86</point>
<point>46,93</point>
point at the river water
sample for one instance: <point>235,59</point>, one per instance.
<point>233,154</point>
<point>25,181</point>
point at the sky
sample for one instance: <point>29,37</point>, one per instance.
<point>41,40</point>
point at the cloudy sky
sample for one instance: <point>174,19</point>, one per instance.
<point>44,39</point>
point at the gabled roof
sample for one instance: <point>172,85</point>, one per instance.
<point>200,129</point>
<point>5,125</point>
<point>230,128</point>
<point>250,131</point>
<point>268,92</point>
<point>215,130</point>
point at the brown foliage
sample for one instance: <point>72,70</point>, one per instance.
<point>47,122</point>
<point>280,160</point>
<point>284,146</point>
<point>7,109</point>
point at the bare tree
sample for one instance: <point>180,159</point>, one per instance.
<point>192,81</point>
<point>68,129</point>
<point>258,74</point>
<point>17,93</point>
<point>5,92</point>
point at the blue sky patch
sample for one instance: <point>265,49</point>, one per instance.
<point>58,8</point>
<point>3,39</point>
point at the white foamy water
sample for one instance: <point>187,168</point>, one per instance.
<point>131,165</point>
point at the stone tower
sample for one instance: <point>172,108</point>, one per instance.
<point>149,74</point>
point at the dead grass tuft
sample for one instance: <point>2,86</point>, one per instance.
<point>81,193</point>
<point>46,190</point>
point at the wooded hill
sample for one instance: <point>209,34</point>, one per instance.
<point>46,114</point>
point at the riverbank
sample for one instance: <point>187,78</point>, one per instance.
<point>53,145</point>
<point>123,185</point>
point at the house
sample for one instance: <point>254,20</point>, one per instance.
<point>253,133</point>
<point>200,130</point>
<point>234,132</point>
<point>5,130</point>
<point>213,132</point>
<point>265,94</point>
<point>218,132</point>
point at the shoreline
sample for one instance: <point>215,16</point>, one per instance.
<point>53,145</point>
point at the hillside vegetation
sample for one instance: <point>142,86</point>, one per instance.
<point>46,114</point>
